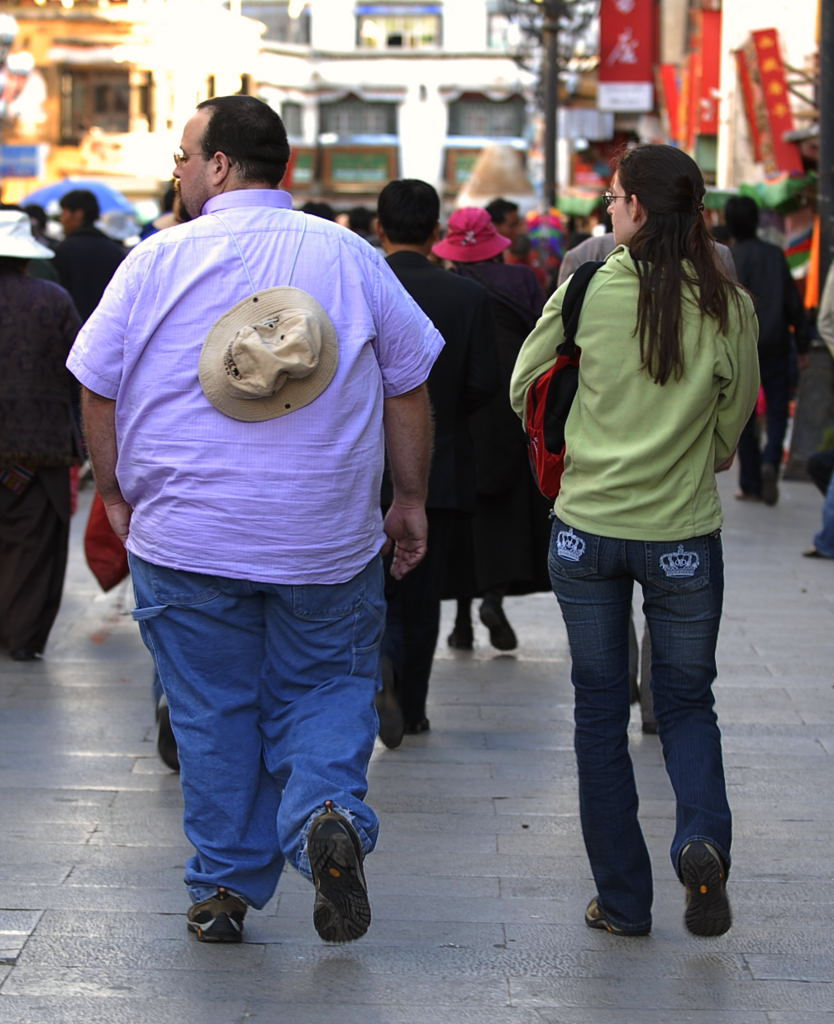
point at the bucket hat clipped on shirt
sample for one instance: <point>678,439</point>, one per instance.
<point>17,240</point>
<point>471,237</point>
<point>274,352</point>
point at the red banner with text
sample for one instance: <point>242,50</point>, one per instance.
<point>628,53</point>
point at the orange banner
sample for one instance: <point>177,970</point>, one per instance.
<point>746,82</point>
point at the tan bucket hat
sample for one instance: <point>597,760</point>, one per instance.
<point>272,353</point>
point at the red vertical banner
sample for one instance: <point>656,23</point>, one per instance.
<point>771,73</point>
<point>693,77</point>
<point>749,97</point>
<point>628,53</point>
<point>709,72</point>
<point>670,90</point>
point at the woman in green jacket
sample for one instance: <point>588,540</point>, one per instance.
<point>668,377</point>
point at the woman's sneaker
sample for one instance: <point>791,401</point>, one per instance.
<point>703,873</point>
<point>341,912</point>
<point>219,918</point>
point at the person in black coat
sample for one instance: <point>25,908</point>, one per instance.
<point>505,551</point>
<point>783,331</point>
<point>464,378</point>
<point>87,258</point>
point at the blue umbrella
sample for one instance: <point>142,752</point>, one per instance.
<point>108,198</point>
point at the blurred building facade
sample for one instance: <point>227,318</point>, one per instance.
<point>115,81</point>
<point>368,91</point>
<point>375,90</point>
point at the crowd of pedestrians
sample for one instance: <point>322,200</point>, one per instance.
<point>307,434</point>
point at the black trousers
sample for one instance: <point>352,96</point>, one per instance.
<point>34,539</point>
<point>413,617</point>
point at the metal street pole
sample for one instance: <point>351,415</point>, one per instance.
<point>825,182</point>
<point>550,55</point>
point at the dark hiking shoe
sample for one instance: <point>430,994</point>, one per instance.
<point>462,637</point>
<point>501,633</point>
<point>770,486</point>
<point>595,918</point>
<point>219,918</point>
<point>707,907</point>
<point>388,708</point>
<point>341,912</point>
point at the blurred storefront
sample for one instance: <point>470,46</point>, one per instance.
<point>117,79</point>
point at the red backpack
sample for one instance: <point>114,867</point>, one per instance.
<point>550,396</point>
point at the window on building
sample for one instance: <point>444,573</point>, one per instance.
<point>93,98</point>
<point>404,26</point>
<point>352,116</point>
<point>285,22</point>
<point>503,32</point>
<point>475,114</point>
<point>291,115</point>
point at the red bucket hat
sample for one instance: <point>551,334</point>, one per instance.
<point>471,237</point>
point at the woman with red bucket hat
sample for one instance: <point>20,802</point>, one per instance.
<point>503,551</point>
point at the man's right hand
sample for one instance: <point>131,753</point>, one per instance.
<point>407,530</point>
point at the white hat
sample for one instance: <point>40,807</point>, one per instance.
<point>272,353</point>
<point>16,238</point>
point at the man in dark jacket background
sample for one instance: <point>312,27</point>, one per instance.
<point>464,378</point>
<point>86,259</point>
<point>783,332</point>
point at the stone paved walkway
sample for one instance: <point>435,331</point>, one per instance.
<point>479,881</point>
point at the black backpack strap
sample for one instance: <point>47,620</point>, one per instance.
<point>572,302</point>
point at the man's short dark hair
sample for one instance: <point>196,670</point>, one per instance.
<point>251,135</point>
<point>82,199</point>
<point>500,209</point>
<point>361,218</point>
<point>408,210</point>
<point>742,216</point>
<point>37,214</point>
<point>319,209</point>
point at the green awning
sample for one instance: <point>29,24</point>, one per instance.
<point>575,202</point>
<point>716,198</point>
<point>780,193</point>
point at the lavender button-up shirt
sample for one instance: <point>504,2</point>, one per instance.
<point>292,500</point>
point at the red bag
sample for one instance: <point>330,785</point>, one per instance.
<point>547,454</point>
<point>551,395</point>
<point>105,553</point>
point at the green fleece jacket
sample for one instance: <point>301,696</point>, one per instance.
<point>641,457</point>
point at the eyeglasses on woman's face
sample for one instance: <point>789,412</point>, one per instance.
<point>609,197</point>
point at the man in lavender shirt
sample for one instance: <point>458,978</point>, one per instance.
<point>242,376</point>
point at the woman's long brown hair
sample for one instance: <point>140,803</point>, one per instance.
<point>671,189</point>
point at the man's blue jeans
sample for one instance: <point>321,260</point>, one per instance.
<point>824,540</point>
<point>271,694</point>
<point>682,584</point>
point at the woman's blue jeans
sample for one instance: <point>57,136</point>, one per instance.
<point>271,694</point>
<point>683,583</point>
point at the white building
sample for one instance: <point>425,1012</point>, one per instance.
<point>373,91</point>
